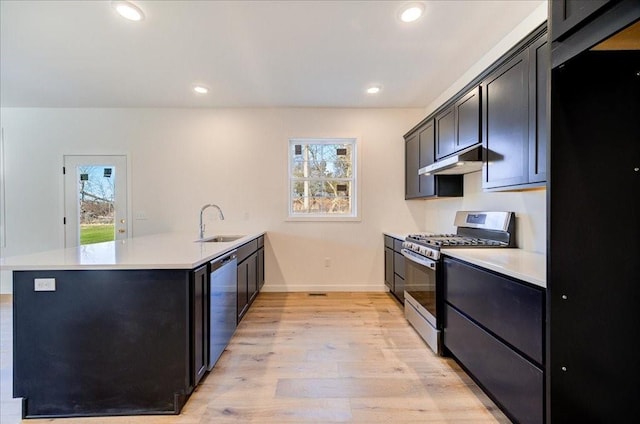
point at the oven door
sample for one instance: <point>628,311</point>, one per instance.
<point>421,302</point>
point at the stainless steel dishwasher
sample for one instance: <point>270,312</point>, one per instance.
<point>223,303</point>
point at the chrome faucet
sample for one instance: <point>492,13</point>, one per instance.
<point>209,205</point>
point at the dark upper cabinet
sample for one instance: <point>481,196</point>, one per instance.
<point>540,58</point>
<point>420,152</point>
<point>566,15</point>
<point>514,120</point>
<point>412,164</point>
<point>199,324</point>
<point>458,126</point>
<point>445,132</point>
<point>506,124</point>
<point>468,120</point>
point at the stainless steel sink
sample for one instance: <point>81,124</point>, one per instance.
<point>219,239</point>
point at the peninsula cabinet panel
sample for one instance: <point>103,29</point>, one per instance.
<point>105,342</point>
<point>199,324</point>
<point>506,124</point>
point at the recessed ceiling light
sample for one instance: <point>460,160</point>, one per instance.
<point>412,12</point>
<point>128,10</point>
<point>200,89</point>
<point>374,89</point>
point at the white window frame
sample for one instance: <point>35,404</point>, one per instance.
<point>355,181</point>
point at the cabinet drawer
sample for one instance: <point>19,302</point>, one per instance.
<point>513,381</point>
<point>507,308</point>
<point>247,249</point>
<point>398,264</point>
<point>397,245</point>
<point>388,242</point>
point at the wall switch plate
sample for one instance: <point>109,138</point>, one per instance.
<point>141,215</point>
<point>44,284</point>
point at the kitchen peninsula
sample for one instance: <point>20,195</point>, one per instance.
<point>122,327</point>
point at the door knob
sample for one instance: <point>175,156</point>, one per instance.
<point>121,230</point>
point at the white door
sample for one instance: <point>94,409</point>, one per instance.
<point>95,196</point>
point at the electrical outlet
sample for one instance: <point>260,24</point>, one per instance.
<point>327,262</point>
<point>44,284</point>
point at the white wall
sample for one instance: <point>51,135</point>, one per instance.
<point>530,206</point>
<point>183,158</point>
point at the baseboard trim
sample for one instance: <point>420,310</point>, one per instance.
<point>323,287</point>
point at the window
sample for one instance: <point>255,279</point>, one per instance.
<point>322,179</point>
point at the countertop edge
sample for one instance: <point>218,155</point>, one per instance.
<point>16,263</point>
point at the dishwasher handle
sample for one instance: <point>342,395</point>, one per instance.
<point>220,262</point>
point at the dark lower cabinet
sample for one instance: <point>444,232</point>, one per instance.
<point>514,383</point>
<point>250,273</point>
<point>260,266</point>
<point>105,342</point>
<point>494,327</point>
<point>388,268</point>
<point>394,267</point>
<point>199,324</point>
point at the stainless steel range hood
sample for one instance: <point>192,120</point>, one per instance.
<point>466,161</point>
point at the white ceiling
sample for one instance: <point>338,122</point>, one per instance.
<point>249,53</point>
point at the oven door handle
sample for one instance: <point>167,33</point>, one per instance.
<point>419,260</point>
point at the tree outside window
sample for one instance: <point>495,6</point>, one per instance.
<point>322,178</point>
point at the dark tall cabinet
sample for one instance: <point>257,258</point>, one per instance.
<point>594,181</point>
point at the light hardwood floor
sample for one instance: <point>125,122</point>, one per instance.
<point>305,358</point>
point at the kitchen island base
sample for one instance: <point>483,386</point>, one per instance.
<point>104,342</point>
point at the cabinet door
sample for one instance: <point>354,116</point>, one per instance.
<point>567,14</point>
<point>260,268</point>
<point>445,133</point>
<point>427,141</point>
<point>243,290</point>
<point>505,118</point>
<point>467,114</point>
<point>388,268</point>
<point>539,69</point>
<point>398,287</point>
<point>200,324</point>
<point>412,158</point>
<point>252,276</point>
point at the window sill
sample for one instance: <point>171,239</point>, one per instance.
<point>320,218</point>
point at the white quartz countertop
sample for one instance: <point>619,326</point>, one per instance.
<point>517,263</point>
<point>159,251</point>
<point>527,266</point>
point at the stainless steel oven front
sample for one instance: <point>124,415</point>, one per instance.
<point>422,303</point>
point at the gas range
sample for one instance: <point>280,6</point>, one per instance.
<point>474,229</point>
<point>424,276</point>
